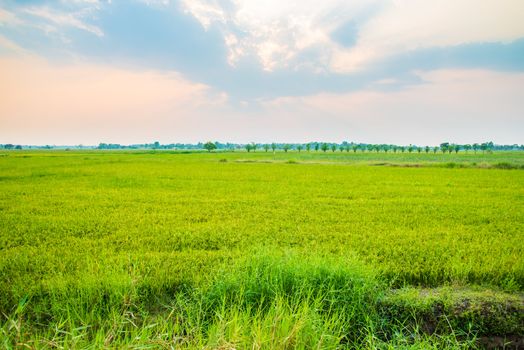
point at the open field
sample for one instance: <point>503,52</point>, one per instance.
<point>260,250</point>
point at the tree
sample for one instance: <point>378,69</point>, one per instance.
<point>299,148</point>
<point>467,147</point>
<point>435,149</point>
<point>410,148</point>
<point>273,147</point>
<point>444,147</point>
<point>324,147</point>
<point>355,148</point>
<point>419,149</point>
<point>266,147</point>
<point>427,149</point>
<point>456,148</point>
<point>18,147</point>
<point>334,147</point>
<point>210,146</point>
<point>476,147</point>
<point>308,147</point>
<point>317,146</point>
<point>248,147</point>
<point>402,149</point>
<point>486,146</point>
<point>286,147</point>
<point>341,148</point>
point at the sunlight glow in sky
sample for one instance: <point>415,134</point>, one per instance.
<point>379,71</point>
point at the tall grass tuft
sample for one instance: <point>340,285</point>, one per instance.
<point>267,301</point>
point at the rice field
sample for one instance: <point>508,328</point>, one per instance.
<point>121,249</point>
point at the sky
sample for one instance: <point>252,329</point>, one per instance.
<point>375,71</point>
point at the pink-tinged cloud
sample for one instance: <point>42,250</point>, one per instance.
<point>455,105</point>
<point>43,103</point>
<point>85,103</point>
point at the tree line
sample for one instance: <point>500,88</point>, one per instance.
<point>445,147</point>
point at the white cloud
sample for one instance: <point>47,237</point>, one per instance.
<point>274,31</point>
<point>406,25</point>
<point>9,18</point>
<point>96,3</point>
<point>206,12</point>
<point>278,31</point>
<point>70,19</point>
<point>51,21</point>
<point>155,2</point>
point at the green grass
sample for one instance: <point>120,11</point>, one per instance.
<point>237,250</point>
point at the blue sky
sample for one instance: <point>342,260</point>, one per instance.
<point>89,71</point>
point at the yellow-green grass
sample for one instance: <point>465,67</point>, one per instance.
<point>88,237</point>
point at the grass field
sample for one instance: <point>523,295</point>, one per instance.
<point>260,250</point>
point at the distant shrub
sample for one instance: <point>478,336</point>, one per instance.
<point>223,160</point>
<point>505,165</point>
